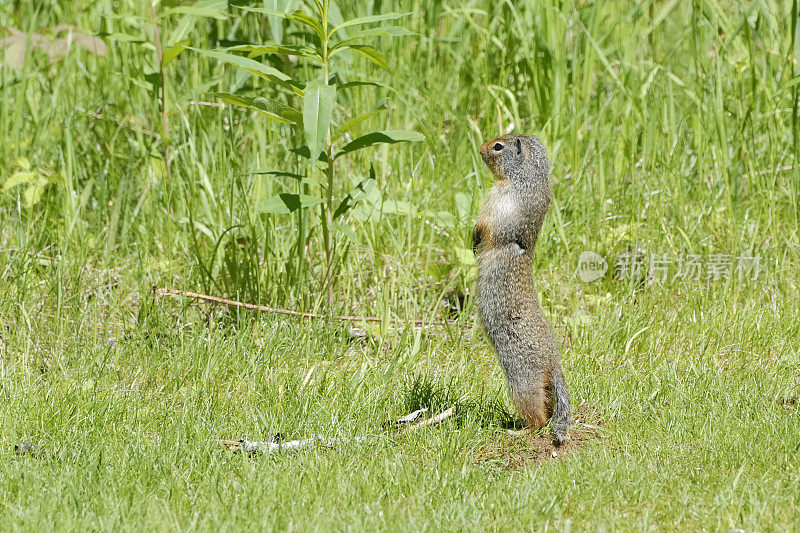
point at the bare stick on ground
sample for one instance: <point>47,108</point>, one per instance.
<point>274,445</point>
<point>290,312</point>
<point>431,421</point>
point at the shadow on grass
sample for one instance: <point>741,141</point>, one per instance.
<point>487,408</point>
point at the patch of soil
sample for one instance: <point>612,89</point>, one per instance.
<point>513,452</point>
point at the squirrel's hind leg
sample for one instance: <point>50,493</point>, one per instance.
<point>532,405</point>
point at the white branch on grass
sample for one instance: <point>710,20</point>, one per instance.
<point>271,446</point>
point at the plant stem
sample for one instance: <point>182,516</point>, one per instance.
<point>328,206</point>
<point>163,105</point>
<point>329,244</point>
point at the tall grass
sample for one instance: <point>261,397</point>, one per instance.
<point>681,140</point>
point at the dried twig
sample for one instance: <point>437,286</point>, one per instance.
<point>279,311</point>
<point>131,125</point>
<point>411,417</point>
<point>431,421</point>
<point>274,444</point>
<point>250,446</point>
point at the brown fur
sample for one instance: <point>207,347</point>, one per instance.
<point>503,239</point>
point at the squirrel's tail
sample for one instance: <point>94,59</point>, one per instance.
<point>562,416</point>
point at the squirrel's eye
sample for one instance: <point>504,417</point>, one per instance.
<point>498,147</point>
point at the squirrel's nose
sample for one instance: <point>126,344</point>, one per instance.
<point>485,148</point>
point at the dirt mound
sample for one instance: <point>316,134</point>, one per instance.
<point>513,452</point>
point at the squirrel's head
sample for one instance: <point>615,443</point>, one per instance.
<point>518,158</point>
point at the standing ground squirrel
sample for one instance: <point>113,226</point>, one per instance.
<point>503,240</point>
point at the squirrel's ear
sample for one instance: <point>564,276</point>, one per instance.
<point>519,147</point>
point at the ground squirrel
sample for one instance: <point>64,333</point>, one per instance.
<point>503,240</point>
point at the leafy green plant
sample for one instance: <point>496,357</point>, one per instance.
<point>35,181</point>
<point>310,105</point>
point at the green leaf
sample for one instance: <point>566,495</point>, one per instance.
<point>464,207</point>
<point>264,10</point>
<point>359,192</point>
<point>286,203</point>
<point>398,207</point>
<point>198,11</point>
<point>351,84</point>
<point>303,151</point>
<point>277,173</point>
<point>125,38</point>
<point>284,49</point>
<point>341,84</point>
<point>33,193</point>
<point>367,20</point>
<point>18,178</point>
<point>308,20</point>
<point>259,69</point>
<point>36,183</point>
<point>383,31</point>
<point>172,52</point>
<point>346,230</point>
<point>445,219</point>
<point>317,112</point>
<point>355,121</point>
<point>380,137</point>
<point>465,256</point>
<point>272,109</point>
<point>373,54</point>
<point>154,79</point>
<point>369,208</point>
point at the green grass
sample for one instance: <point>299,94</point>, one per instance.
<point>683,142</point>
